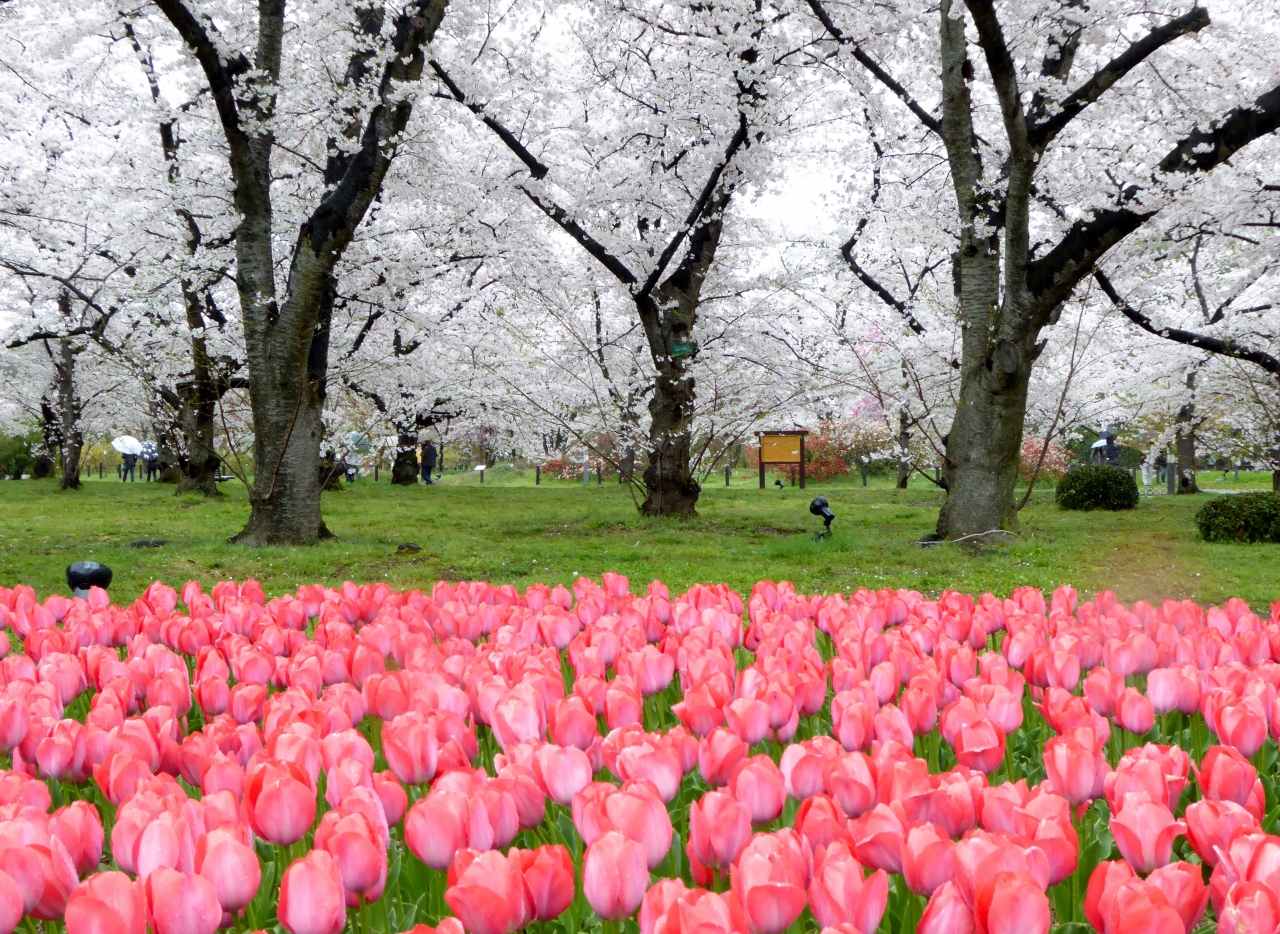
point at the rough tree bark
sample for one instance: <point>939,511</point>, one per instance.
<point>1002,316</point>
<point>69,405</point>
<point>1185,440</point>
<point>904,449</point>
<point>404,469</point>
<point>279,328</point>
<point>42,465</point>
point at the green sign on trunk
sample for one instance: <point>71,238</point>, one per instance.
<point>684,350</point>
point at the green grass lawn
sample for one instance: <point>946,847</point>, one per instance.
<point>508,530</point>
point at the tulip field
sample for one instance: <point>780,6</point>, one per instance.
<point>479,759</point>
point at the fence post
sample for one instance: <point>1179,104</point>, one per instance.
<point>599,474</point>
<point>375,473</point>
<point>727,471</point>
<point>537,475</point>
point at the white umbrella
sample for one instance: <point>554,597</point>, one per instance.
<point>1100,443</point>
<point>127,444</point>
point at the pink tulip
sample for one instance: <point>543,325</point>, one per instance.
<point>758,783</point>
<point>769,880</point>
<point>615,875</point>
<point>564,770</point>
<point>80,829</point>
<point>548,880</point>
<point>409,746</point>
<point>926,859</point>
<point>946,913</point>
<point>1011,903</point>
<point>839,893</point>
<point>232,867</point>
<point>1144,831</point>
<point>487,893</point>
<point>182,903</point>
<point>718,754</point>
<point>719,826</point>
<point>107,903</point>
<point>311,896</point>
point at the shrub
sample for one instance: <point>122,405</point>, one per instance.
<point>1057,460</point>
<point>1248,517</point>
<point>17,453</point>
<point>1097,487</point>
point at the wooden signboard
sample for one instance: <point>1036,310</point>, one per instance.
<point>781,447</point>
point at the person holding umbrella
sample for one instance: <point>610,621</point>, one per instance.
<point>151,459</point>
<point>129,449</point>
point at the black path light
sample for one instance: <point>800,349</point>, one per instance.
<point>820,507</point>
<point>85,574</point>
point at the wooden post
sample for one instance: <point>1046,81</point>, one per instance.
<point>599,474</point>
<point>728,469</point>
<point>482,475</point>
<point>537,475</point>
<point>761,463</point>
<point>802,462</point>
<point>375,473</point>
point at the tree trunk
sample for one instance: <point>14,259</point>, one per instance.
<point>404,469</point>
<point>981,467</point>
<point>71,442</point>
<point>670,489</point>
<point>1186,441</point>
<point>43,466</point>
<point>1275,481</point>
<point>904,456</point>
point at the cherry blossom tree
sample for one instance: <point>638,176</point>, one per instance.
<point>1065,130</point>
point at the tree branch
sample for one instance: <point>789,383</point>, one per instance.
<point>1004,74</point>
<point>1203,150</point>
<point>1051,278</point>
<point>1044,127</point>
<point>867,62</point>
<point>696,212</point>
<point>1225,347</point>
<point>539,171</point>
<point>536,168</point>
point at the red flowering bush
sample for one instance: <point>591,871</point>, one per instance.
<point>482,760</point>
<point>1057,459</point>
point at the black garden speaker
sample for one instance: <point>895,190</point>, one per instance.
<point>85,574</point>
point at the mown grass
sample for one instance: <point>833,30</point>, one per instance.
<point>508,530</point>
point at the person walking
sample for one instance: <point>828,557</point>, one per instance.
<point>130,463</point>
<point>151,460</point>
<point>429,458</point>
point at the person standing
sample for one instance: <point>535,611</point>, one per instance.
<point>429,458</point>
<point>130,463</point>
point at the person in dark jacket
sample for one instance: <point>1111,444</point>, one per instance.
<point>429,458</point>
<point>130,463</point>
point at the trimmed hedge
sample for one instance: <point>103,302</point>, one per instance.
<point>1097,487</point>
<point>1247,517</point>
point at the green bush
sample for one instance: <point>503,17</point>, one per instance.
<point>17,453</point>
<point>1097,487</point>
<point>1248,517</point>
